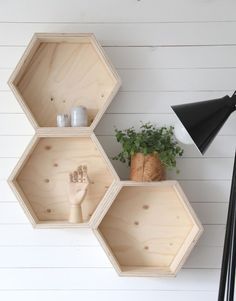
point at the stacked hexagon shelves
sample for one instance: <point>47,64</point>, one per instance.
<point>145,228</point>
<point>56,73</point>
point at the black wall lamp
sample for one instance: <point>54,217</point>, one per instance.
<point>202,121</point>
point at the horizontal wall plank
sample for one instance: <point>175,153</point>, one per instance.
<point>191,169</point>
<point>109,122</point>
<point>149,102</point>
<point>212,236</point>
<point>9,56</point>
<point>166,57</point>
<point>6,166</point>
<point>4,76</point>
<point>89,279</point>
<point>125,11</point>
<point>197,191</point>
<point>128,34</point>
<point>207,191</point>
<point>12,213</point>
<point>107,295</point>
<point>177,79</point>
<point>149,57</point>
<point>203,168</point>
<point>15,124</point>
<point>205,257</point>
<point>82,257</point>
<point>18,124</point>
<point>6,194</point>
<point>222,146</point>
<point>24,235</point>
<point>13,146</point>
<point>42,257</point>
<point>165,79</point>
<point>9,103</point>
<point>133,102</point>
<point>205,212</point>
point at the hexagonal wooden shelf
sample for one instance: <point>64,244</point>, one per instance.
<point>41,178</point>
<point>147,229</point>
<point>59,71</point>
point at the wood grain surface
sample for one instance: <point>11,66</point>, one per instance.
<point>149,228</point>
<point>44,177</point>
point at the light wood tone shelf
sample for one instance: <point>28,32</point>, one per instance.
<point>40,179</point>
<point>59,71</point>
<point>147,229</point>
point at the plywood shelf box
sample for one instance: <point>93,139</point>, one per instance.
<point>41,177</point>
<point>60,71</point>
<point>148,229</point>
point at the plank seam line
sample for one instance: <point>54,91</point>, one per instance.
<point>83,268</point>
<point>97,290</point>
<point>144,45</point>
<point>118,22</point>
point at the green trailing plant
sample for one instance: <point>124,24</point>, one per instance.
<point>150,139</point>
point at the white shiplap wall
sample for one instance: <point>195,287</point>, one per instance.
<point>166,52</point>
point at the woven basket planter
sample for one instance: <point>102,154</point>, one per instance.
<point>146,168</point>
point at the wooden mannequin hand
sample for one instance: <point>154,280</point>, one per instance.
<point>77,190</point>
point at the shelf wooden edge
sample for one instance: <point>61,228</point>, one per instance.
<point>24,203</point>
<point>63,132</point>
<point>130,271</point>
<point>59,225</point>
<point>148,184</point>
<point>26,154</point>
<point>107,250</point>
<point>104,206</point>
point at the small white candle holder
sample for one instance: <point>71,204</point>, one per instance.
<point>63,120</point>
<point>79,116</point>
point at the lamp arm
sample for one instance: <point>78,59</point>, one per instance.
<point>228,259</point>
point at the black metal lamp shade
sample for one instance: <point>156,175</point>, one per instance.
<point>203,119</point>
